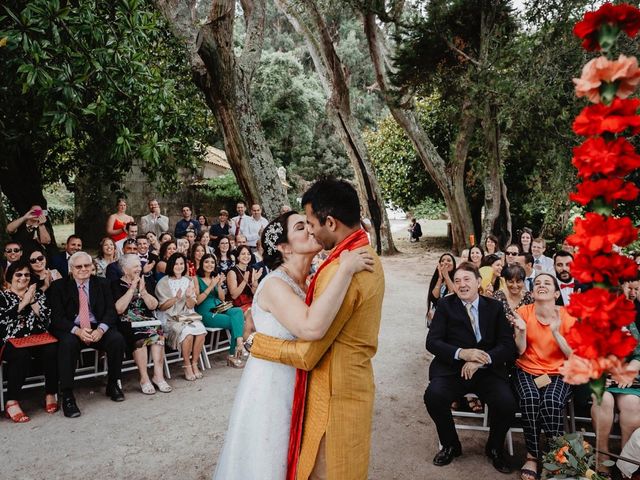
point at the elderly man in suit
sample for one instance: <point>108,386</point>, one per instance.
<point>83,314</point>
<point>472,343</point>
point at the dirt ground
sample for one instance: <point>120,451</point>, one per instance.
<point>179,435</point>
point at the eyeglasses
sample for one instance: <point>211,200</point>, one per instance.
<point>512,254</point>
<point>83,265</point>
<point>39,258</point>
<point>12,250</point>
<point>20,275</point>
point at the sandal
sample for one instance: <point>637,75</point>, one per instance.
<point>188,376</point>
<point>235,362</point>
<point>475,405</point>
<point>527,473</point>
<point>147,388</point>
<point>162,385</point>
<point>196,372</point>
<point>51,407</point>
<point>17,417</point>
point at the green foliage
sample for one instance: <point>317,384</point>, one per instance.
<point>401,174</point>
<point>430,209</point>
<point>223,190</point>
<point>94,85</point>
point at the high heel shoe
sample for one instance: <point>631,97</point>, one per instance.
<point>18,417</point>
<point>196,372</point>
<point>235,362</point>
<point>188,376</point>
<point>51,407</point>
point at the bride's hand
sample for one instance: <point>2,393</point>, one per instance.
<point>357,260</point>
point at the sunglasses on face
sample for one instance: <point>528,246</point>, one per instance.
<point>512,254</point>
<point>20,275</point>
<point>37,259</point>
<point>12,250</point>
<point>84,265</point>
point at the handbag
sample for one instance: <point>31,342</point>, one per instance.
<point>222,307</point>
<point>188,317</point>
<point>33,340</point>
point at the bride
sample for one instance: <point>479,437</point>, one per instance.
<point>257,440</point>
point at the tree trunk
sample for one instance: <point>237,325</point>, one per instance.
<point>308,22</point>
<point>225,80</point>
<point>449,179</point>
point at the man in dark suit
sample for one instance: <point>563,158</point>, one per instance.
<point>83,314</point>
<point>60,261</point>
<point>472,343</point>
<point>562,261</point>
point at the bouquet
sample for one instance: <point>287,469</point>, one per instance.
<point>571,457</point>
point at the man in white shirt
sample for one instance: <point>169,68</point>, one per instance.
<point>541,263</point>
<point>237,223</point>
<point>252,226</point>
<point>154,222</point>
<point>562,264</point>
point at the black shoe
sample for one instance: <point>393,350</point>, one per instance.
<point>499,461</point>
<point>115,392</point>
<point>69,407</point>
<point>446,455</point>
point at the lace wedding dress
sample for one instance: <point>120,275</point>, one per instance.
<point>257,440</point>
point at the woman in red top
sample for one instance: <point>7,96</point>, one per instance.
<point>117,221</point>
<point>539,335</point>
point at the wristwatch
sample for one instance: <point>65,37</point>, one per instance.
<point>248,343</point>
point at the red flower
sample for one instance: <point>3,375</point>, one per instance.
<point>597,234</point>
<point>615,118</point>
<point>610,190</point>
<point>597,156</point>
<point>624,16</point>
<point>601,309</point>
<point>600,268</point>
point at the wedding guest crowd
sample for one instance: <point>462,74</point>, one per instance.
<point>143,292</point>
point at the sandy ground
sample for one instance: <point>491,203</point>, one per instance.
<point>179,435</point>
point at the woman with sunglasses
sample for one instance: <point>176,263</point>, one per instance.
<point>41,276</point>
<point>24,312</point>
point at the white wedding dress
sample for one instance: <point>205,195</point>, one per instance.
<point>257,440</point>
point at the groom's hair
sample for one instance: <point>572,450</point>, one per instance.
<point>335,198</point>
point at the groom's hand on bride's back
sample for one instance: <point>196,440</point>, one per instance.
<point>357,260</point>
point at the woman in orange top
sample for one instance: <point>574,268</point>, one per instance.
<point>117,222</point>
<point>539,334</point>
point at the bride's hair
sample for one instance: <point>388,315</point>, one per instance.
<point>275,233</point>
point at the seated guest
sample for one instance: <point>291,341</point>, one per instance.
<point>154,243</point>
<point>562,265</point>
<point>191,237</point>
<point>132,232</point>
<point>541,262</point>
<point>209,295</point>
<point>41,276</point>
<point>491,272</point>
<point>196,253</point>
<point>526,237</point>
<point>631,450</point>
<point>513,295</point>
<point>114,272</point>
<point>472,343</point>
<point>232,242</point>
<point>154,222</point>
<point>30,229</point>
<point>117,222</point>
<point>625,397</point>
<point>106,255</point>
<point>83,315</point>
<point>511,253</point>
<point>204,223</point>
<point>148,259</point>
<point>12,253</point>
<point>165,237</point>
<point>540,330</point>
<point>60,261</point>
<point>242,280</point>
<point>166,250</point>
<point>177,299</point>
<point>135,305</point>
<point>225,259</point>
<point>492,245</point>
<point>526,261</point>
<point>475,255</point>
<point>441,283</point>
<point>24,312</point>
<point>183,246</point>
<point>220,229</point>
<point>204,239</point>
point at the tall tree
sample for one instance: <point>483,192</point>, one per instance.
<point>207,30</point>
<point>308,21</point>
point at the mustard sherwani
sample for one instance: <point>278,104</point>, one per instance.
<point>340,391</point>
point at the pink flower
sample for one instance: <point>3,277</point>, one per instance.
<point>601,70</point>
<point>621,372</point>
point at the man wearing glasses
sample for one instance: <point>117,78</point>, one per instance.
<point>12,253</point>
<point>83,315</point>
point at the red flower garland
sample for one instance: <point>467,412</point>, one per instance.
<point>599,339</point>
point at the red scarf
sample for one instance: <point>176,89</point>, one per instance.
<point>356,240</point>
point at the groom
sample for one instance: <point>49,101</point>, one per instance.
<point>336,432</point>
